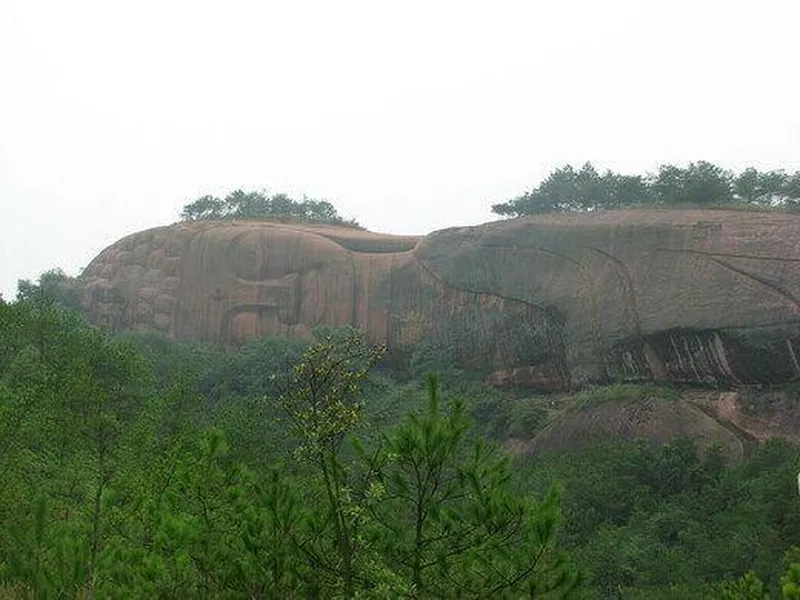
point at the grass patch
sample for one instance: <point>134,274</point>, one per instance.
<point>526,417</point>
<point>621,393</point>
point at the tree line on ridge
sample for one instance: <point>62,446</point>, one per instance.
<point>699,184</point>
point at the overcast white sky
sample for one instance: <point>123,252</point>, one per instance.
<point>408,116</point>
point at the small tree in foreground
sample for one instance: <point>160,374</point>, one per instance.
<point>451,522</point>
<point>321,400</point>
<point>422,511</point>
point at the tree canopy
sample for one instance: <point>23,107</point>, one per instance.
<point>261,205</point>
<point>700,184</point>
<point>53,286</point>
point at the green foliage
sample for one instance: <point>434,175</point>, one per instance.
<point>747,587</point>
<point>642,518</point>
<point>428,357</point>
<point>700,184</point>
<point>321,400</point>
<point>448,518</point>
<point>770,188</point>
<point>227,386</point>
<point>790,582</point>
<point>53,287</point>
<point>570,189</point>
<point>526,418</point>
<point>67,396</point>
<point>133,468</point>
<point>500,415</point>
<point>143,467</point>
<point>321,395</point>
<point>260,205</point>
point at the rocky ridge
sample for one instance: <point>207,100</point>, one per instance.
<point>550,301</point>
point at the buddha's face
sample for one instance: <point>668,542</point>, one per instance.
<point>261,279</point>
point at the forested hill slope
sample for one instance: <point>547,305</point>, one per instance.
<point>547,301</point>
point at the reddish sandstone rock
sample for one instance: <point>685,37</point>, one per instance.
<point>548,301</point>
<point>548,377</point>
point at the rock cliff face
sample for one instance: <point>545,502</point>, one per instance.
<point>547,301</point>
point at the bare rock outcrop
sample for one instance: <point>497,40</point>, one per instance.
<point>548,301</point>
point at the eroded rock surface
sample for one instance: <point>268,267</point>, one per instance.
<point>547,301</point>
<point>650,417</point>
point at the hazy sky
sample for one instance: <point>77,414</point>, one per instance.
<point>408,116</point>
